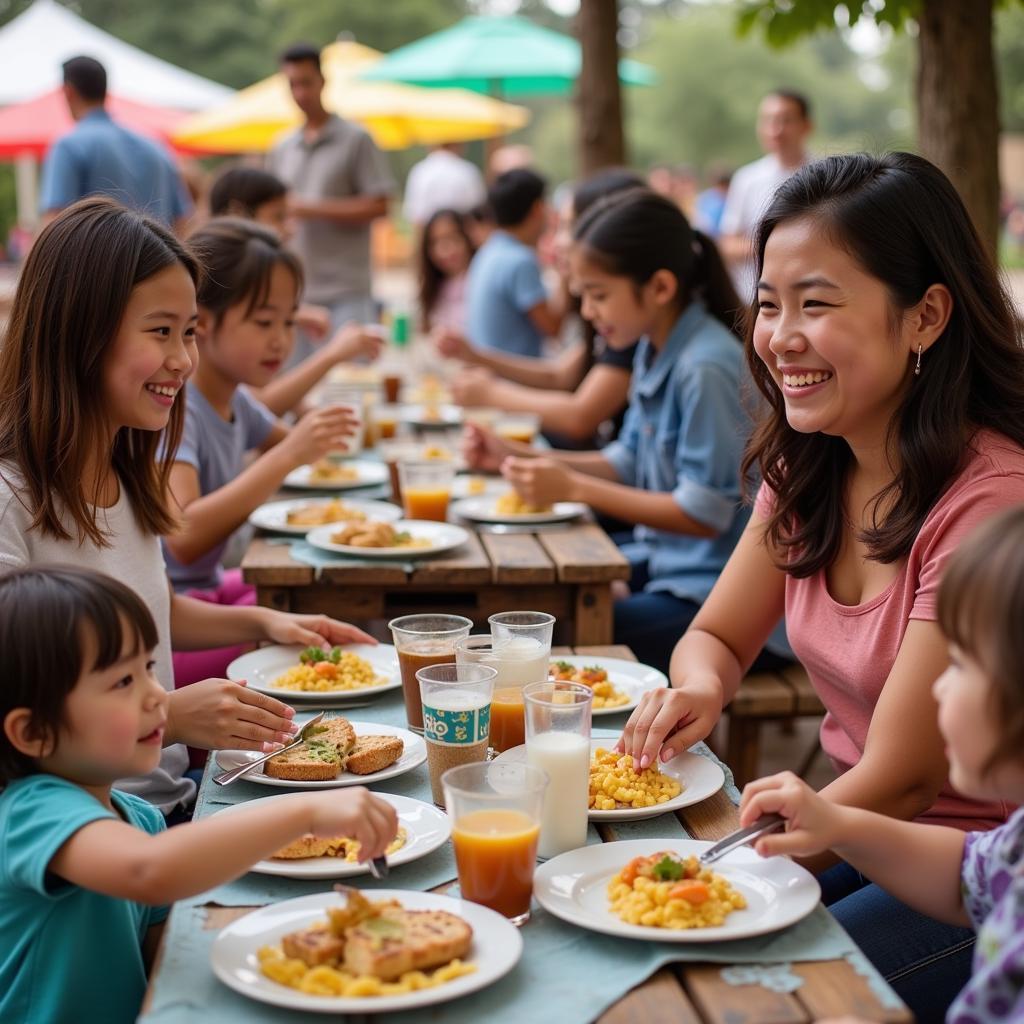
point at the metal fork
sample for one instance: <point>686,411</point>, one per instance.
<point>763,825</point>
<point>226,778</point>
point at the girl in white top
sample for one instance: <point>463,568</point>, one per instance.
<point>100,342</point>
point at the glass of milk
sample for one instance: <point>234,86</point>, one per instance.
<point>558,742</point>
<point>528,649</point>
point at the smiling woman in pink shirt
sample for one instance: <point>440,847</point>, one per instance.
<point>890,361</point>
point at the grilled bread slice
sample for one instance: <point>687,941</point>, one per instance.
<point>398,940</point>
<point>320,758</point>
<point>311,846</point>
<point>314,946</point>
<point>374,754</point>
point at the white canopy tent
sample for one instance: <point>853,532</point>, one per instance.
<point>33,47</point>
<point>35,44</point>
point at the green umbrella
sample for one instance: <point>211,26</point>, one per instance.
<point>502,56</point>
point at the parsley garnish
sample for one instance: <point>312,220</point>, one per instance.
<point>668,870</point>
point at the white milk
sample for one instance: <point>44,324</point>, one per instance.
<point>565,756</point>
<point>522,660</point>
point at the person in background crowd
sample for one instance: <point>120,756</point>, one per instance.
<point>100,157</point>
<point>339,183</point>
<point>445,252</point>
<point>710,204</point>
<point>783,125</point>
<point>442,180</point>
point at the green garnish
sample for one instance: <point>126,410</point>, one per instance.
<point>563,666</point>
<point>384,928</point>
<point>592,668</point>
<point>310,655</point>
<point>335,655</point>
<point>668,870</point>
<point>402,537</point>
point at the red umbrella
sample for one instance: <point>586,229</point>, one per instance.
<point>30,128</point>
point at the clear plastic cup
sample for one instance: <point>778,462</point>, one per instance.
<point>558,717</point>
<point>522,427</point>
<point>333,393</point>
<point>423,640</point>
<point>495,809</point>
<point>456,703</point>
<point>426,488</point>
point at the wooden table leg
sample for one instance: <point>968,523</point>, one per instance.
<point>592,623</point>
<point>278,598</point>
<point>743,749</point>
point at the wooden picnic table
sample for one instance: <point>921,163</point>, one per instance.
<point>567,572</point>
<point>689,993</point>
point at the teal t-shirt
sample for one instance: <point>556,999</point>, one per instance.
<point>67,954</point>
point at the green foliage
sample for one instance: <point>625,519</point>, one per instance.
<point>784,21</point>
<point>1009,42</point>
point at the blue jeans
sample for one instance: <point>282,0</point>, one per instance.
<point>925,961</point>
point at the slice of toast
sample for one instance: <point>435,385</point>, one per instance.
<point>310,845</point>
<point>320,758</point>
<point>373,754</point>
<point>405,940</point>
<point>314,946</point>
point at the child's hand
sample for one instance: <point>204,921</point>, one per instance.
<point>812,822</point>
<point>452,345</point>
<point>473,386</point>
<point>355,341</point>
<point>314,320</point>
<point>318,432</point>
<point>310,630</point>
<point>670,720</point>
<point>355,814</point>
<point>539,481</point>
<point>482,449</point>
<point>216,714</point>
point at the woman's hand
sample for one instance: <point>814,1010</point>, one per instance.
<point>473,386</point>
<point>218,714</point>
<point>356,341</point>
<point>669,721</point>
<point>813,824</point>
<point>319,432</point>
<point>355,813</point>
<point>482,449</point>
<point>309,630</point>
<point>539,481</point>
<point>452,345</point>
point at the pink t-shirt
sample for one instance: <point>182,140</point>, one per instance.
<point>849,650</point>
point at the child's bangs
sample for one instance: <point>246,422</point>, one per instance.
<point>110,612</point>
<point>257,270</point>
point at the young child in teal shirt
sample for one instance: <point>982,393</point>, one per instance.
<point>87,873</point>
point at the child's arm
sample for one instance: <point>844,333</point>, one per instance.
<point>208,519</point>
<point>118,860</point>
<point>919,864</point>
<point>562,371</point>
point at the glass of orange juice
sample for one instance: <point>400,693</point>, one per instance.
<point>495,810</point>
<point>521,426</point>
<point>426,488</point>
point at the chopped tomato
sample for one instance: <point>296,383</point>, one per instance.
<point>632,869</point>
<point>327,669</point>
<point>693,891</point>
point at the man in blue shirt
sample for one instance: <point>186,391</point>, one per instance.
<point>508,307</point>
<point>100,157</point>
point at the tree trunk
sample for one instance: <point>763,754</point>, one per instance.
<point>958,104</point>
<point>598,96</point>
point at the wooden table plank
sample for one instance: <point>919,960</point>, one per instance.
<point>267,564</point>
<point>722,1003</point>
<point>517,558</point>
<point>659,1000</point>
<point>834,989</point>
<point>620,651</point>
<point>712,819</point>
<point>585,554</point>
<point>468,564</point>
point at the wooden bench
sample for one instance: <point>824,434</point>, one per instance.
<point>767,697</point>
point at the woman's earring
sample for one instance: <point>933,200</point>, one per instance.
<point>917,369</point>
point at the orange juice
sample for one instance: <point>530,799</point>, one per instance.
<point>386,429</point>
<point>524,435</point>
<point>508,718</point>
<point>426,503</point>
<point>496,852</point>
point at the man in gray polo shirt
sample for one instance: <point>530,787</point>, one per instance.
<point>340,182</point>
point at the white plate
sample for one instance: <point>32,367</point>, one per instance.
<point>414,754</point>
<point>573,886</point>
<point>700,777</point>
<point>274,515</point>
<point>442,537</point>
<point>482,510</point>
<point>261,667</point>
<point>426,828</point>
<point>448,415</point>
<point>630,677</point>
<point>493,486</point>
<point>369,473</point>
<point>497,947</point>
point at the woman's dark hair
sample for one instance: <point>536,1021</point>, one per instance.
<point>243,190</point>
<point>45,614</point>
<point>431,276</point>
<point>900,218</point>
<point>239,256</point>
<point>636,233</point>
<point>71,297</point>
<point>981,610</point>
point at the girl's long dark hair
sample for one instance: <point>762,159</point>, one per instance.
<point>636,233</point>
<point>71,297</point>
<point>431,276</point>
<point>902,220</point>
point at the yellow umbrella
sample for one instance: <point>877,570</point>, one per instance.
<point>396,115</point>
